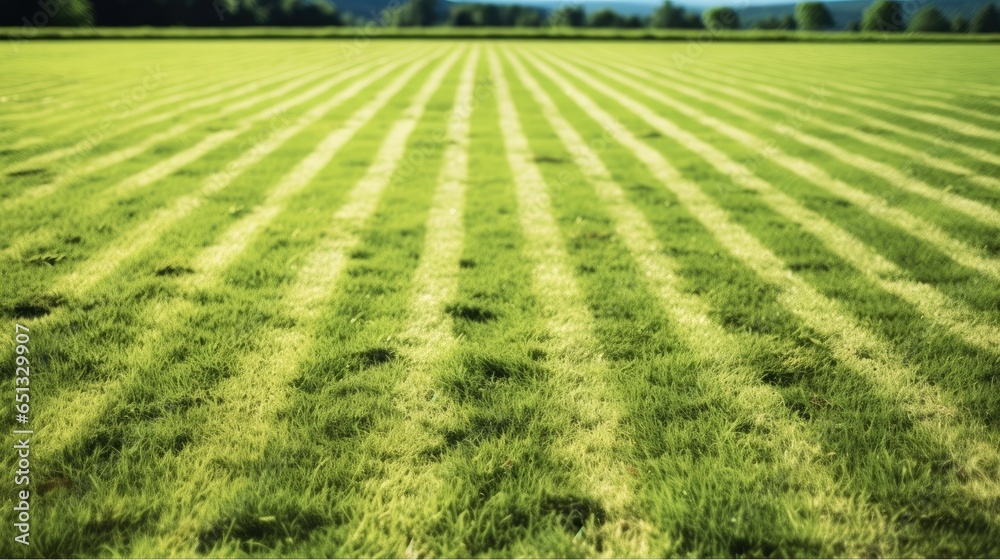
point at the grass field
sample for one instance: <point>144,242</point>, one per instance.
<point>293,298</point>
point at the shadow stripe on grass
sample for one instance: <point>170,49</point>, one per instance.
<point>935,306</point>
<point>81,408</point>
<point>709,342</point>
<point>939,118</point>
<point>79,126</point>
<point>593,447</point>
<point>243,85</point>
<point>678,80</point>
<point>954,125</point>
<point>251,399</point>
<point>178,160</point>
<point>100,265</point>
<point>67,114</point>
<point>965,440</point>
<point>767,85</point>
<point>412,483</point>
<point>918,227</point>
<point>970,208</point>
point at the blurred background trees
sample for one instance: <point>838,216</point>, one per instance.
<point>987,20</point>
<point>721,18</point>
<point>929,20</point>
<point>879,16</point>
<point>47,12</point>
<point>884,15</point>
<point>813,16</point>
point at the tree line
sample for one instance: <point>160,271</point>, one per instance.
<point>881,16</point>
<point>162,13</point>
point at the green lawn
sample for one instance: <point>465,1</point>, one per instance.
<point>515,298</point>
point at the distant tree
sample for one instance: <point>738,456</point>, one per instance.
<point>425,12</point>
<point>569,16</point>
<point>529,18</point>
<point>227,12</point>
<point>633,22</point>
<point>668,16</point>
<point>605,18</point>
<point>311,14</point>
<point>490,16</point>
<point>509,14</point>
<point>959,25</point>
<point>115,13</point>
<point>396,17</point>
<point>786,23</point>
<point>770,22</point>
<point>929,20</point>
<point>35,13</point>
<point>461,16</point>
<point>813,16</point>
<point>884,15</point>
<point>986,20</point>
<point>721,18</point>
<point>853,26</point>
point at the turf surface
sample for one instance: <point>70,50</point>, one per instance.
<point>345,298</point>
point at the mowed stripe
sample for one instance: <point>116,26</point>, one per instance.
<point>920,228</point>
<point>970,208</point>
<point>887,93</point>
<point>744,80</point>
<point>99,266</point>
<point>577,372</point>
<point>85,95</point>
<point>168,166</point>
<point>934,305</point>
<point>243,424</point>
<point>80,90</point>
<point>870,99</point>
<point>678,79</point>
<point>68,120</point>
<point>413,483</point>
<point>208,143</point>
<point>926,80</point>
<point>81,407</point>
<point>861,351</point>
<point>836,515</point>
<point>907,94</point>
<point>207,96</point>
